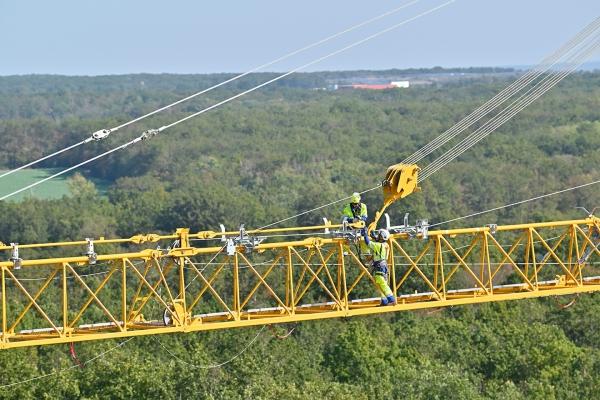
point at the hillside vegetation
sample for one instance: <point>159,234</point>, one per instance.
<point>274,154</point>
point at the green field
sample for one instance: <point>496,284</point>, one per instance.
<point>52,189</point>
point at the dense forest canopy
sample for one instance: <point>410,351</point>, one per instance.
<point>278,152</point>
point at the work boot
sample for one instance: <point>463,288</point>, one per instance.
<point>384,301</point>
<point>390,300</point>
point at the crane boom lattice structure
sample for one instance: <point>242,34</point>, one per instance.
<point>100,294</point>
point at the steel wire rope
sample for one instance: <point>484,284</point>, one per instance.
<point>437,224</point>
<point>565,49</point>
<point>514,108</point>
<point>180,121</point>
<point>102,354</point>
<point>502,96</point>
<point>304,66</point>
<point>145,135</point>
<point>222,364</point>
<point>506,114</point>
<point>516,203</point>
<point>12,171</point>
<point>315,209</point>
<point>255,69</point>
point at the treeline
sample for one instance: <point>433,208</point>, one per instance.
<point>282,151</point>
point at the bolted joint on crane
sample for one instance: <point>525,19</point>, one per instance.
<point>14,256</point>
<point>244,241</point>
<point>90,252</point>
<point>418,231</point>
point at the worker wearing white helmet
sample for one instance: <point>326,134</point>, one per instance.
<point>355,210</point>
<point>381,250</point>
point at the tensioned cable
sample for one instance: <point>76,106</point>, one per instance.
<point>316,208</point>
<point>517,203</point>
<point>44,158</point>
<point>153,132</point>
<point>516,106</point>
<point>507,113</point>
<point>67,369</point>
<point>215,365</point>
<point>502,96</point>
<point>491,126</point>
<point>483,110</point>
<point>102,134</point>
<point>73,167</point>
<point>357,43</point>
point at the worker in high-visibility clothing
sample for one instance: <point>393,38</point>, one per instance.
<point>380,250</point>
<point>355,210</point>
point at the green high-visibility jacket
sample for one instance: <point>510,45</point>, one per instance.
<point>347,212</point>
<point>380,250</point>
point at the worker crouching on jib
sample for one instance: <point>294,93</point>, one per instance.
<point>355,210</point>
<point>380,250</point>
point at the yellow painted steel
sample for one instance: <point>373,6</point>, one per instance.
<point>400,181</point>
<point>152,285</point>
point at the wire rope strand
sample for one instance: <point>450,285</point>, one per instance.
<point>255,69</point>
<point>516,203</point>
<point>506,114</point>
<point>516,106</point>
<point>304,66</point>
<point>66,369</point>
<point>12,171</point>
<point>352,45</point>
<point>501,97</point>
<point>70,169</point>
<point>222,364</point>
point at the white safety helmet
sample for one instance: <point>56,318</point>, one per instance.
<point>384,234</point>
<point>355,198</point>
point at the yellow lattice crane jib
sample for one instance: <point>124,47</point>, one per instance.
<point>400,181</point>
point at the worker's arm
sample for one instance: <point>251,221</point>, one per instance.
<point>366,236</point>
<point>363,212</point>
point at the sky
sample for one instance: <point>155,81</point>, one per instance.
<point>75,37</point>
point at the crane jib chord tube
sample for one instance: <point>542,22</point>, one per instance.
<point>188,289</point>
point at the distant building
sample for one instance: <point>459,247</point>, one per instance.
<point>384,86</point>
<point>400,84</point>
<point>371,87</point>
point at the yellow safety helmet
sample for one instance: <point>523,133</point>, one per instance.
<point>355,198</point>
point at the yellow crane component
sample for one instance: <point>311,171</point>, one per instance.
<point>186,282</point>
<point>400,181</point>
<point>187,285</point>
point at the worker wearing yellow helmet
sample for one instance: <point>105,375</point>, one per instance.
<point>381,250</point>
<point>355,210</point>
